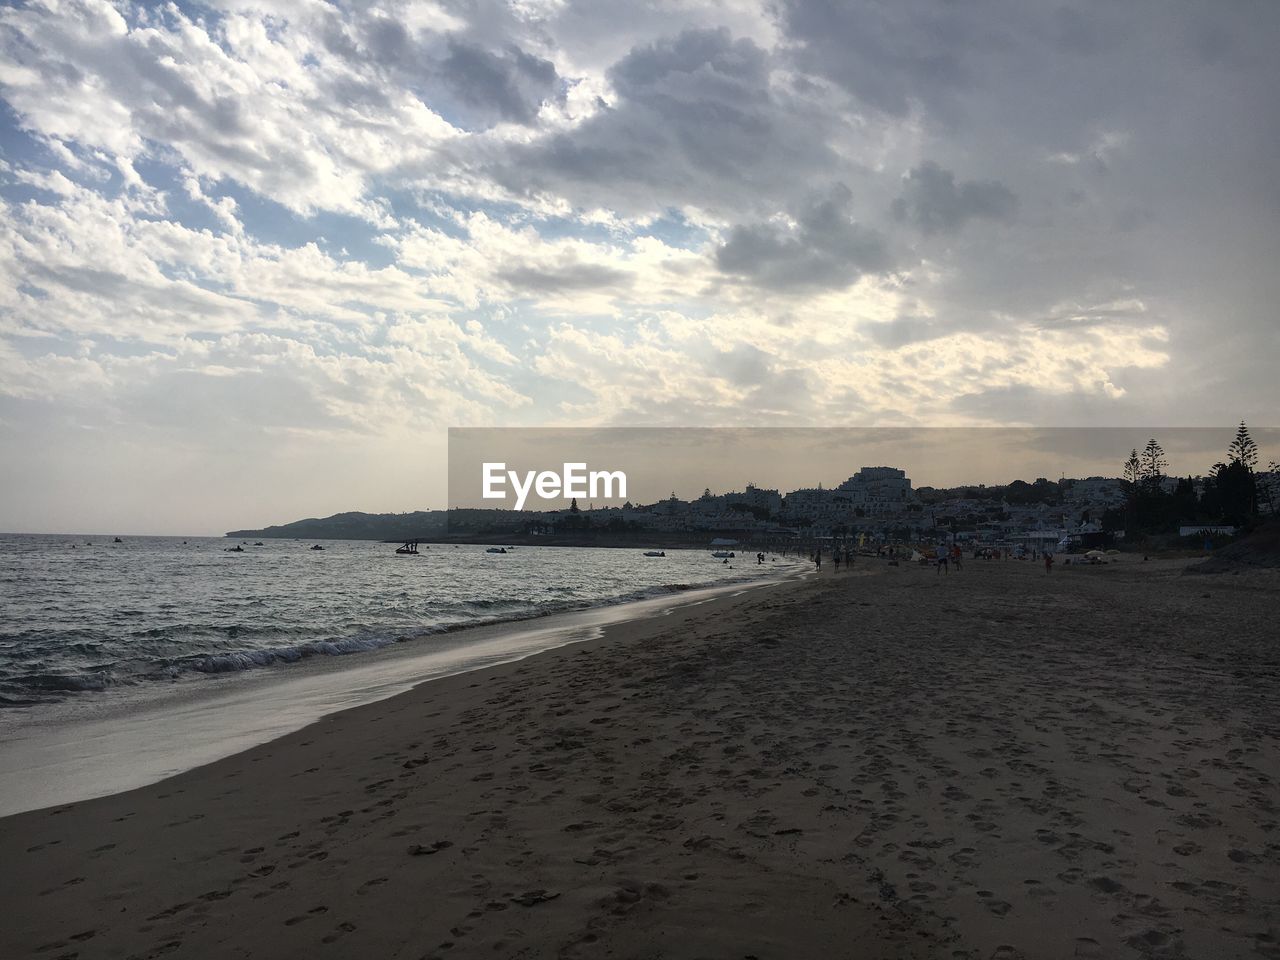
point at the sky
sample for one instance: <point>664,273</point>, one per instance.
<point>660,461</point>
<point>257,257</point>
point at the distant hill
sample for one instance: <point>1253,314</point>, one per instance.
<point>419,525</point>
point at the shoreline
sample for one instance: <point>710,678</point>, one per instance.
<point>987,763</point>
<point>91,749</point>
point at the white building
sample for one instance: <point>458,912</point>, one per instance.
<point>878,490</point>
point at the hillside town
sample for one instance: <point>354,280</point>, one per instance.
<point>878,504</point>
<point>1145,507</point>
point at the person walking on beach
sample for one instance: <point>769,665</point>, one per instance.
<point>956,554</point>
<point>1048,563</point>
<point>941,554</point>
<point>817,559</point>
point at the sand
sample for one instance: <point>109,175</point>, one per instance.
<point>993,763</point>
<point>1259,549</point>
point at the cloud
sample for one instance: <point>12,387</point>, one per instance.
<point>570,276</point>
<point>905,330</point>
<point>888,55</point>
<point>933,202</point>
<point>268,112</point>
<point>695,120</point>
<point>369,220</point>
<point>513,84</point>
<point>823,247</point>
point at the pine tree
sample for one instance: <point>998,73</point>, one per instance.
<point>1153,462</point>
<point>1132,467</point>
<point>1243,449</point>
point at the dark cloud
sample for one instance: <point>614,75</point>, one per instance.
<point>932,200</point>
<point>890,54</point>
<point>1090,316</point>
<point>512,84</point>
<point>569,277</point>
<point>478,83</point>
<point>744,365</point>
<point>826,248</point>
<point>730,70</point>
<point>906,330</point>
<point>695,121</point>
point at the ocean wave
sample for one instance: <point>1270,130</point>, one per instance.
<point>82,646</point>
<point>60,682</point>
<point>248,659</point>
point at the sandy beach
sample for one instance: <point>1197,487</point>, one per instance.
<point>992,763</point>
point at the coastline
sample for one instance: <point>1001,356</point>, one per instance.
<point>991,763</point>
<point>95,748</point>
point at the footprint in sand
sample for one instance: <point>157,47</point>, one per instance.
<point>313,912</point>
<point>339,931</point>
<point>1106,885</point>
<point>369,885</point>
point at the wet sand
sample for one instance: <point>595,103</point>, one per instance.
<point>883,763</point>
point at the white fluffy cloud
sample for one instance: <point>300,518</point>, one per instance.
<point>346,224</point>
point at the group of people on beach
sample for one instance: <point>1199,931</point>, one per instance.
<point>838,555</point>
<point>946,556</point>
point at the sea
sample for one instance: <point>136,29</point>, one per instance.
<point>82,615</point>
<point>124,662</point>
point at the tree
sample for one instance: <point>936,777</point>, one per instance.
<point>1133,468</point>
<point>1243,450</point>
<point>1153,463</point>
<point>1236,491</point>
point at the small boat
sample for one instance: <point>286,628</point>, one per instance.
<point>317,547</point>
<point>236,549</point>
<point>655,553</point>
<point>410,549</point>
<point>256,543</point>
<point>118,540</point>
<point>723,554</point>
<point>496,550</point>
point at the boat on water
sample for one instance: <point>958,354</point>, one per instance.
<point>317,547</point>
<point>723,554</point>
<point>256,543</point>
<point>655,553</point>
<point>409,549</point>
<point>236,549</point>
<point>496,550</point>
<point>118,540</point>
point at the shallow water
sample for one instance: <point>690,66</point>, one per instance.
<point>83,616</point>
<point>95,746</point>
